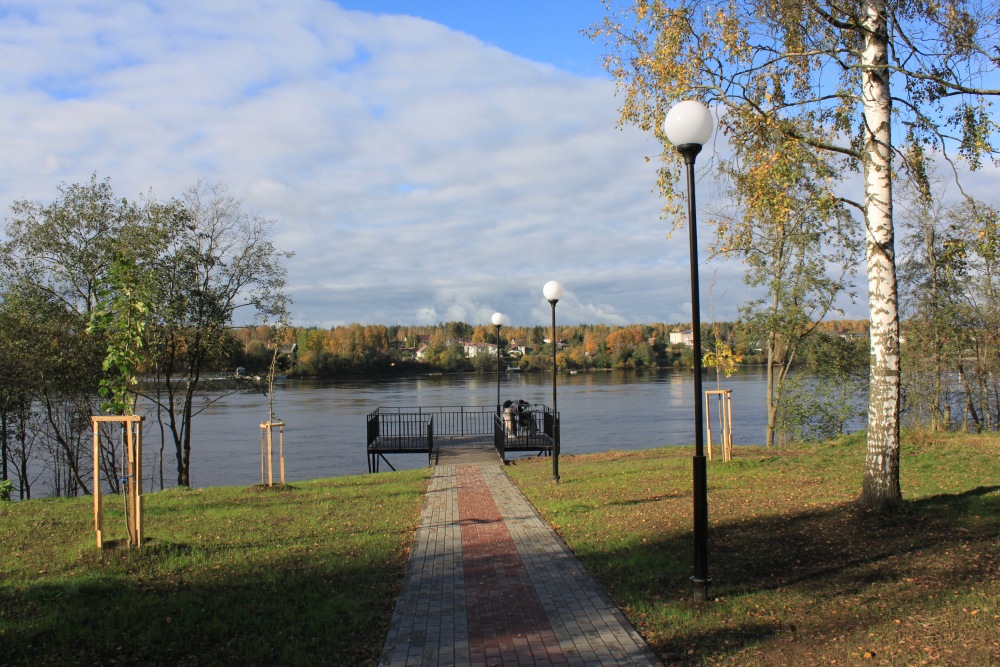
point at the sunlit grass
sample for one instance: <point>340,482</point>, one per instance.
<point>308,574</point>
<point>305,574</point>
<point>800,574</point>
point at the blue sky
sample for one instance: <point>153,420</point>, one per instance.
<point>547,31</point>
<point>425,161</point>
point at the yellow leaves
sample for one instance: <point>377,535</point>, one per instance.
<point>641,9</point>
<point>723,358</point>
<point>733,34</point>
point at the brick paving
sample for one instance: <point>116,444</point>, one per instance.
<point>489,583</point>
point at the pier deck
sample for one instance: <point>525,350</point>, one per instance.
<point>465,432</point>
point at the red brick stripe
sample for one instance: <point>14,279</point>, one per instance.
<point>507,623</point>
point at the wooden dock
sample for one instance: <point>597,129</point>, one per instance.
<point>466,450</point>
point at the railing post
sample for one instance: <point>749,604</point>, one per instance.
<point>430,440</point>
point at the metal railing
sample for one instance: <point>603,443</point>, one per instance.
<point>453,420</point>
<point>407,429</point>
<point>531,430</point>
<point>399,432</point>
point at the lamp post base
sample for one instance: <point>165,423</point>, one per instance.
<point>701,589</point>
<point>700,489</point>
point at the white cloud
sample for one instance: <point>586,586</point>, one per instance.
<point>418,174</point>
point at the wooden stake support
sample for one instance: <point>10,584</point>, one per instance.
<point>727,421</point>
<point>267,444</point>
<point>133,449</point>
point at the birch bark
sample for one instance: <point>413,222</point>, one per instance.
<point>880,487</point>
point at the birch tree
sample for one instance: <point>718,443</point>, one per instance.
<point>868,86</point>
<point>800,247</point>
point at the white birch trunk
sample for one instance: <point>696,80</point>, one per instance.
<point>880,487</point>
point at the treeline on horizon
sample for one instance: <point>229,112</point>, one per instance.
<point>374,349</point>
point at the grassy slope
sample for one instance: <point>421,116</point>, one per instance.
<point>308,575</point>
<point>301,575</point>
<point>800,575</point>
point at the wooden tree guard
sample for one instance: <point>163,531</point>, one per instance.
<point>134,502</point>
<point>267,439</point>
<point>727,421</point>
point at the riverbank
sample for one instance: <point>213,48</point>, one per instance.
<point>308,574</point>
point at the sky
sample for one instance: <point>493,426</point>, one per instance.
<point>426,161</point>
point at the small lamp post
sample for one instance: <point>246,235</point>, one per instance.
<point>553,290</point>
<point>498,320</point>
<point>688,125</point>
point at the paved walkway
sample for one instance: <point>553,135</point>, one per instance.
<point>489,583</point>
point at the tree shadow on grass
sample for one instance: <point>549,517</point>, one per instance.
<point>817,563</point>
<point>297,609</point>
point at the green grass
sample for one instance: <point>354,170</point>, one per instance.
<point>308,574</point>
<point>305,574</point>
<point>801,576</point>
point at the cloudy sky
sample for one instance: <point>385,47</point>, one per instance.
<point>425,160</point>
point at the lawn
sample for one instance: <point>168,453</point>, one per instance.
<point>308,574</point>
<point>299,575</point>
<point>801,575</point>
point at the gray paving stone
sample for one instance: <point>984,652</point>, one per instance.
<point>430,623</point>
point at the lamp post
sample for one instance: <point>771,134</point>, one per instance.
<point>688,125</point>
<point>553,290</point>
<point>498,320</point>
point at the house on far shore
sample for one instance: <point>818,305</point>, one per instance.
<point>473,350</point>
<point>421,352</point>
<point>682,338</point>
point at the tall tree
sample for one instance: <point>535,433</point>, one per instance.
<point>932,270</point>
<point>981,226</point>
<point>219,261</point>
<point>836,79</point>
<point>53,262</point>
<point>950,290</point>
<point>799,246</point>
<point>823,402</point>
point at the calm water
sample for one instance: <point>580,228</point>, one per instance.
<point>325,431</point>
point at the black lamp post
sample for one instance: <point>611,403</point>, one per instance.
<point>553,290</point>
<point>498,322</point>
<point>688,125</point>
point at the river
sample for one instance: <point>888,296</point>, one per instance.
<point>325,421</point>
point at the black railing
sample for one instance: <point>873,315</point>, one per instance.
<point>453,420</point>
<point>520,431</point>
<point>373,426</point>
<point>500,437</point>
<point>411,430</point>
<point>398,432</point>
